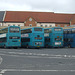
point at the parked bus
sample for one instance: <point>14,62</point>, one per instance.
<point>32,37</point>
<point>10,37</point>
<point>69,37</point>
<point>53,37</point>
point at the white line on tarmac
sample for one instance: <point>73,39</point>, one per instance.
<point>24,70</point>
<point>3,71</point>
<point>1,59</point>
<point>49,57</point>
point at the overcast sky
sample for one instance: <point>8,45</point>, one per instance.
<point>58,6</point>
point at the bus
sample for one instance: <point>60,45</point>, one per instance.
<point>53,37</point>
<point>10,37</point>
<point>69,37</point>
<point>32,37</point>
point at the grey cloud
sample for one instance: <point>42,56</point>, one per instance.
<point>66,6</point>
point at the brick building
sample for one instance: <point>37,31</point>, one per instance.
<point>29,19</point>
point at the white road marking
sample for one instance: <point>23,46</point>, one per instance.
<point>38,55</point>
<point>3,71</point>
<point>0,74</point>
<point>24,70</point>
<point>1,59</point>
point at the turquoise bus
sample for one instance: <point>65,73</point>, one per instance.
<point>32,37</point>
<point>10,37</point>
<point>69,37</point>
<point>53,37</point>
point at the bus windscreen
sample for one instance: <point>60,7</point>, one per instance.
<point>12,29</point>
<point>37,29</point>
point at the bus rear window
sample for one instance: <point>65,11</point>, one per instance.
<point>12,29</point>
<point>57,29</point>
<point>37,29</point>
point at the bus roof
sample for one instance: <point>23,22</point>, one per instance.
<point>52,27</point>
<point>31,28</point>
<point>8,27</point>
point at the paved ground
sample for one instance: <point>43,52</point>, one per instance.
<point>37,61</point>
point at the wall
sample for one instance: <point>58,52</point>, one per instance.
<point>30,21</point>
<point>62,25</point>
<point>72,22</point>
<point>44,24</point>
<point>0,24</point>
<point>11,24</point>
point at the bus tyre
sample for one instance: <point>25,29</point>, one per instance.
<point>46,46</point>
<point>27,46</point>
<point>69,46</point>
<point>4,46</point>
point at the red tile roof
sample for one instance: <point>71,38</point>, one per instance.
<point>21,16</point>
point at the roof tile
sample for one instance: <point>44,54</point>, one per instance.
<point>21,16</point>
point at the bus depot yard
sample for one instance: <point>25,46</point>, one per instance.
<point>44,61</point>
<point>37,37</point>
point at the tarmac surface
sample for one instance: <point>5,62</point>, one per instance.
<point>57,61</point>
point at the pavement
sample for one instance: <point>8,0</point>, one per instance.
<point>45,61</point>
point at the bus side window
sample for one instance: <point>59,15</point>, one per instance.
<point>25,39</point>
<point>3,39</point>
<point>47,39</point>
<point>26,31</point>
<point>71,40</point>
<point>65,40</point>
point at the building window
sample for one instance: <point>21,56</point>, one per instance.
<point>13,24</point>
<point>50,25</point>
<point>41,25</point>
<point>65,25</point>
<point>8,24</point>
<point>45,25</point>
<point>18,25</point>
<point>30,25</point>
<point>58,25</point>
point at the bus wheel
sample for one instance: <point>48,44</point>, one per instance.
<point>4,46</point>
<point>27,46</point>
<point>46,46</point>
<point>69,46</point>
